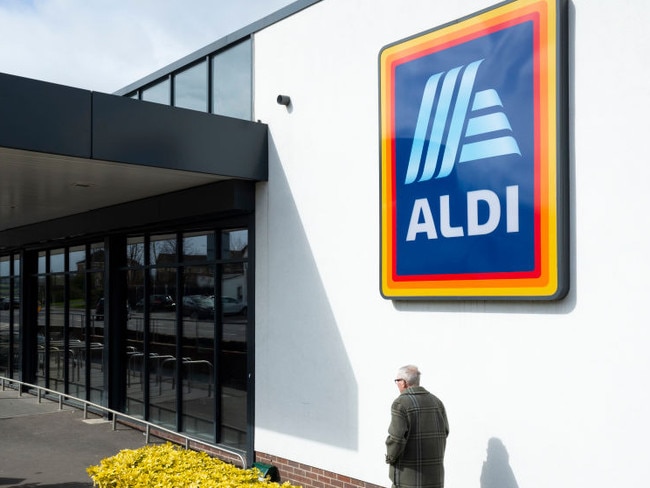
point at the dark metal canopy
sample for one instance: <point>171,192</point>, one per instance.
<point>66,151</point>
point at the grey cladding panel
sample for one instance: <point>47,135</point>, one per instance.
<point>44,117</point>
<point>152,134</point>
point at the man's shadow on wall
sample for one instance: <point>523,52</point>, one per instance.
<point>496,472</point>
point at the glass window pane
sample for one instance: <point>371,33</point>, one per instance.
<point>135,252</point>
<point>96,259</point>
<point>162,359</point>
<point>16,350</point>
<point>233,354</point>
<point>198,352</point>
<point>5,266</point>
<point>77,259</point>
<point>57,261</point>
<point>158,93</point>
<point>233,361</point>
<point>191,88</point>
<point>135,330</point>
<point>234,244</point>
<point>42,262</point>
<point>55,342</point>
<point>77,361</point>
<point>77,293</point>
<point>16,331</point>
<point>16,298</point>
<point>232,80</point>
<point>43,364</point>
<point>95,360</point>
<point>162,250</point>
<point>6,311</point>
<point>199,247</point>
<point>4,348</point>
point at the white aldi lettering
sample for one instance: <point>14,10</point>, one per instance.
<point>422,220</point>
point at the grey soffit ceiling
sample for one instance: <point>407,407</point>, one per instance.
<point>36,187</point>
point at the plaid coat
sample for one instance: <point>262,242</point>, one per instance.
<point>417,437</point>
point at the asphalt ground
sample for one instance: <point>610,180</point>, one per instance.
<point>42,446</point>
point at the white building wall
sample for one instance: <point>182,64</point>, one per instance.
<point>563,386</point>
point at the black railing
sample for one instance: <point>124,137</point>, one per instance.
<point>115,416</point>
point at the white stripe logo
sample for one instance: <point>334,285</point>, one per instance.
<point>487,127</point>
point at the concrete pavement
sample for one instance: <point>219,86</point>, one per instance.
<point>42,446</point>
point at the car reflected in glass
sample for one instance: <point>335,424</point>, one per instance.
<point>157,303</point>
<point>198,307</point>
<point>232,306</point>
<point>99,310</point>
<point>6,303</point>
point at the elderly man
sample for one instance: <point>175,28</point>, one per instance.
<point>417,435</point>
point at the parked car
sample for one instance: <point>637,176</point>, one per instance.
<point>157,303</point>
<point>6,303</point>
<point>232,306</point>
<point>99,310</point>
<point>198,307</point>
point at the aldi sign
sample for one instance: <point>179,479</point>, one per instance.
<point>474,157</point>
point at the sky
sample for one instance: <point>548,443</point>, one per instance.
<point>105,45</point>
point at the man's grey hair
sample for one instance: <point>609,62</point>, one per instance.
<point>410,374</point>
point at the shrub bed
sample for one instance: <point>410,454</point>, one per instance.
<point>170,466</point>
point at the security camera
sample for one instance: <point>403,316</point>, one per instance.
<point>284,100</point>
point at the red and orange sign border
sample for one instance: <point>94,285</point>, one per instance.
<point>550,280</point>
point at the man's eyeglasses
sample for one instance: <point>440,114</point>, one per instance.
<point>400,379</point>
